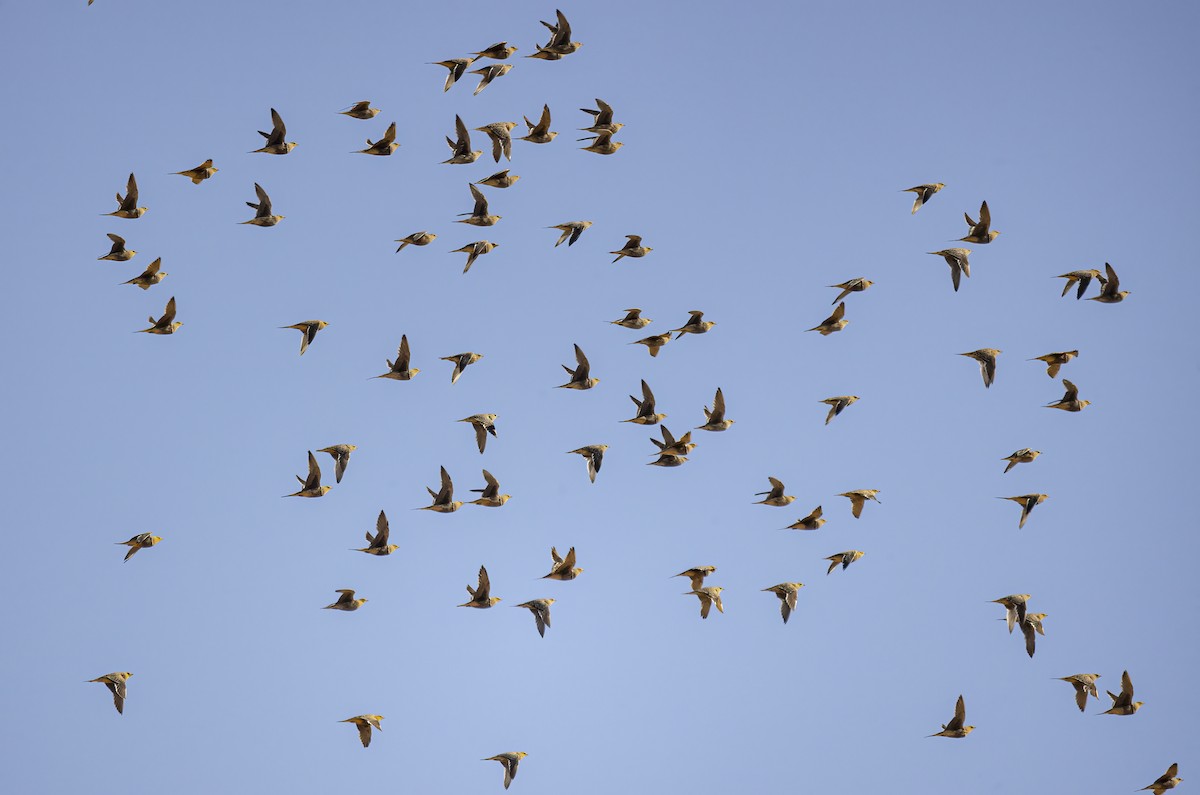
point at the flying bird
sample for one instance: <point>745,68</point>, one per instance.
<point>490,496</point>
<point>602,119</point>
<point>811,522</point>
<point>497,52</point>
<point>377,544</point>
<point>199,173</point>
<point>843,559</point>
<point>149,277</point>
<point>115,682</point>
<point>490,73</point>
<point>416,239</point>
<point>564,569</point>
<point>443,499</point>
<point>580,375</point>
<point>1085,685</point>
<point>1055,360</point>
<point>1014,608</point>
<point>787,593</point>
<point>835,322</point>
<point>1110,293</point>
<point>501,134</point>
<point>479,214</point>
<point>483,424</point>
<point>1070,400</point>
<point>1027,503</point>
<point>654,342</point>
<point>979,232</point>
<point>311,486</point>
<point>127,204</point>
<point>696,324</point>
<point>838,404</point>
<point>669,446</point>
<point>1031,627</point>
<point>955,727</point>
<point>384,147</point>
<point>501,179</point>
<point>851,286</point>
<point>541,612</point>
<point>633,320</point>
<point>603,144</point>
<point>481,594</point>
<point>594,454</point>
<point>457,67</point>
<point>361,110</point>
<point>1083,278</point>
<point>165,324</point>
<point>539,133</point>
<point>633,248</point>
<point>476,250</point>
<point>957,259</point>
<point>715,418</point>
<point>510,760</point>
<point>461,362</point>
<point>1124,703</point>
<point>987,363</point>
<point>708,597</point>
<point>139,541</point>
<point>346,601</point>
<point>696,575</point>
<point>775,497</point>
<point>1022,456</point>
<point>341,457</point>
<point>645,408</point>
<point>1166,781</point>
<point>118,252</point>
<point>276,145</point>
<point>308,330</point>
<point>400,370</point>
<point>859,498</point>
<point>560,43</point>
<point>364,724</point>
<point>262,208</point>
<point>924,194</point>
<point>571,229</point>
<point>460,149</point>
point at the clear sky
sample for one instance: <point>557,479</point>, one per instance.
<point>765,149</point>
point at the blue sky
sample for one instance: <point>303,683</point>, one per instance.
<point>765,150</point>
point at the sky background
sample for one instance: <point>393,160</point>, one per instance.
<point>765,148</point>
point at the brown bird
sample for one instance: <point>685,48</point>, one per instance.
<point>957,259</point>
<point>443,499</point>
<point>1022,456</point>
<point>378,544</point>
<point>924,194</point>
<point>541,612</point>
<point>501,134</point>
<point>475,250</point>
<point>843,559</point>
<point>645,408</point>
<point>118,252</point>
<point>654,342</point>
<point>987,363</point>
<point>510,760</point>
<point>460,149</point>
<point>416,239</point>
<point>1055,360</point>
<point>603,144</point>
<point>115,682</point>
<point>311,485</point>
<point>859,498</point>
<point>490,496</point>
<point>633,248</point>
<point>308,330</point>
<point>539,133</point>
<point>479,214</point>
<point>669,446</point>
<point>457,67</point>
<point>1083,278</point>
<point>1124,703</point>
<point>1031,627</point>
<point>979,230</point>
<point>498,51</point>
<point>1014,606</point>
<point>1166,781</point>
<point>461,362</point>
<point>571,230</point>
<point>602,119</point>
<point>708,597</point>
<point>580,375</point>
<point>787,593</point>
<point>149,277</point>
<point>364,724</point>
<point>262,209</point>
<point>955,727</point>
<point>564,568</point>
<point>346,601</point>
<point>1084,684</point>
<point>1027,503</point>
<point>775,497</point>
<point>483,424</point>
<point>501,179</point>
<point>200,172</point>
<point>361,110</point>
<point>384,147</point>
<point>489,73</point>
<point>560,43</point>
<point>851,286</point>
<point>696,575</point>
<point>715,419</point>
<point>633,319</point>
<point>1070,400</point>
<point>1111,292</point>
<point>481,597</point>
<point>696,324</point>
<point>400,370</point>
<point>838,404</point>
<point>341,457</point>
<point>139,541</point>
<point>165,324</point>
<point>835,322</point>
<point>276,145</point>
<point>594,454</point>
<point>811,522</point>
<point>127,204</point>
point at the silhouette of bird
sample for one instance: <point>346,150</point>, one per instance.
<point>127,204</point>
<point>364,724</point>
<point>924,194</point>
<point>955,727</point>
<point>276,145</point>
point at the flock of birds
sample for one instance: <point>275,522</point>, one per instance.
<point>670,451</point>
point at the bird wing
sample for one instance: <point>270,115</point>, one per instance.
<point>581,372</point>
<point>463,145</point>
<point>389,137</point>
<point>480,435</point>
<point>1126,686</point>
<point>562,34</point>
<point>484,587</point>
<point>382,531</point>
<point>1072,391</point>
<point>776,488</point>
<point>960,715</point>
<point>264,201</point>
<point>446,493</point>
<point>838,313</point>
<point>481,203</point>
<point>646,406</point>
<point>131,194</point>
<point>568,562</point>
<point>543,125</point>
<point>1029,631</point>
<point>314,473</point>
<point>402,356</point>
<point>985,218</point>
<point>1110,288</point>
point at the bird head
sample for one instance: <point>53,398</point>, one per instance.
<point>325,490</point>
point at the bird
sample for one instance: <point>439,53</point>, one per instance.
<point>1124,703</point>
<point>443,499</point>
<point>490,73</point>
<point>378,544</point>
<point>139,541</point>
<point>708,597</point>
<point>633,320</point>
<point>987,363</point>
<point>670,446</point>
<point>696,574</point>
<point>645,408</point>
<point>416,239</point>
<point>457,67</point>
<point>364,724</point>
<point>541,612</point>
<point>481,594</point>
<point>510,760</point>
<point>850,286</point>
<point>118,252</point>
<point>341,457</point>
<point>384,147</point>
<point>696,324</point>
<point>199,173</point>
<point>560,43</point>
<point>149,277</point>
<point>580,376</point>
<point>262,208</point>
<point>775,497</point>
<point>654,342</point>
<point>1110,293</point>
<point>564,567</point>
<point>957,259</point>
<point>361,110</point>
<point>603,144</point>
<point>165,324</point>
<point>1022,456</point>
<point>116,683</point>
<point>602,119</point>
<point>715,418</point>
<point>1055,360</point>
<point>1027,503</point>
<point>501,179</point>
<point>276,145</point>
<point>1166,781</point>
<point>571,229</point>
<point>924,194</point>
<point>1015,607</point>
<point>633,248</point>
<point>501,134</point>
<point>497,52</point>
<point>308,330</point>
<point>859,498</point>
<point>955,727</point>
<point>668,461</point>
<point>787,593</point>
<point>811,522</point>
<point>1070,400</point>
<point>979,232</point>
<point>127,204</point>
<point>483,424</point>
<point>835,322</point>
<point>1085,685</point>
<point>311,486</point>
<point>490,496</point>
<point>461,362</point>
<point>460,149</point>
<point>540,132</point>
<point>594,454</point>
<point>843,559</point>
<point>475,250</point>
<point>400,370</point>
<point>346,601</point>
<point>1083,278</point>
<point>838,404</point>
<point>479,215</point>
<point>1031,627</point>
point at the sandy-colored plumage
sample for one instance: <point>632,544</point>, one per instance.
<point>580,375</point>
<point>715,418</point>
<point>1085,685</point>
<point>696,324</point>
<point>127,204</point>
<point>361,110</point>
<point>479,215</point>
<point>1022,456</point>
<point>488,74</point>
<point>955,727</point>
<point>1083,278</point>
<point>564,567</point>
<point>835,322</point>
<point>633,248</point>
<point>671,446</point>
<point>490,496</point>
<point>708,597</point>
<point>811,522</point>
<point>979,232</point>
<point>1031,627</point>
<point>341,457</point>
<point>603,144</point>
<point>501,179</point>
<point>262,209</point>
<point>696,575</point>
<point>600,129</point>
<point>377,544</point>
<point>276,145</point>
<point>1055,360</point>
<point>987,363</point>
<point>858,499</point>
<point>560,43</point>
<point>1166,781</point>
<point>633,320</point>
<point>501,134</point>
<point>850,286</point>
<point>483,425</point>
<point>416,239</point>
<point>346,601</point>
<point>645,408</point>
<point>308,331</point>
<point>924,193</point>
<point>311,486</point>
<point>1123,704</point>
<point>1027,503</point>
<point>460,148</point>
<point>443,499</point>
<point>602,119</point>
<point>149,277</point>
<point>139,541</point>
<point>457,67</point>
<point>364,724</point>
<point>775,497</point>
<point>474,251</point>
<point>668,461</point>
<point>571,230</point>
<point>1111,292</point>
<point>541,612</point>
<point>510,760</point>
<point>200,172</point>
<point>115,682</point>
<point>838,404</point>
<point>843,559</point>
<point>654,342</point>
<point>165,324</point>
<point>787,593</point>
<point>461,362</point>
<point>481,594</point>
<point>1070,400</point>
<point>594,454</point>
<point>400,370</point>
<point>384,147</point>
<point>958,260</point>
<point>497,52</point>
<point>1014,608</point>
<point>539,133</point>
<point>118,252</point>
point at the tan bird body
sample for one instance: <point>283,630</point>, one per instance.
<point>980,231</point>
<point>443,499</point>
<point>200,172</point>
<point>1111,292</point>
<point>787,593</point>
<point>1022,456</point>
<point>167,324</point>
<point>1166,781</point>
<point>384,147</point>
<point>715,418</point>
<point>501,179</point>
<point>851,286</point>
<point>835,322</point>
<point>1055,360</point>
<point>118,252</point>
<point>364,724</point>
<point>564,568</point>
<point>400,369</point>
<point>811,522</point>
<point>276,145</point>
<point>645,408</point>
<point>959,262</point>
<point>708,597</point>
<point>481,597</point>
<point>483,425</point>
<point>461,362</point>
<point>955,727</point>
<point>1070,400</point>
<point>488,74</point>
<point>139,541</point>
<point>311,485</point>
<point>510,760</point>
<point>501,134</point>
<point>580,375</point>
<point>361,110</point>
<point>924,194</point>
<point>654,342</point>
<point>475,250</point>
<point>457,67</point>
<point>1083,278</point>
<point>987,363</point>
<point>262,209</point>
<point>594,455</point>
<point>127,204</point>
<point>341,457</point>
<point>377,544</point>
<point>843,559</point>
<point>1085,685</point>
<point>838,404</point>
<point>416,239</point>
<point>460,148</point>
<point>571,230</point>
<point>116,684</point>
<point>696,575</point>
<point>1123,704</point>
<point>775,496</point>
<point>858,499</point>
<point>633,320</point>
<point>308,330</point>
<point>541,612</point>
<point>490,496</point>
<point>149,277</point>
<point>1027,503</point>
<point>346,602</point>
<point>539,133</point>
